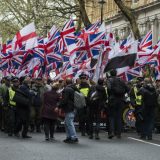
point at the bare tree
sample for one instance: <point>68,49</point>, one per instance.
<point>16,14</point>
<point>129,14</point>
<point>83,13</point>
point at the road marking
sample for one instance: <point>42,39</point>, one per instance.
<point>139,140</point>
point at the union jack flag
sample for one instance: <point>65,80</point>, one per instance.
<point>6,48</point>
<point>53,66</point>
<point>53,37</point>
<point>67,70</point>
<point>17,59</point>
<point>93,27</point>
<point>133,73</point>
<point>68,39</point>
<point>146,57</point>
<point>4,64</point>
<point>146,42</point>
<point>54,56</point>
<point>53,34</point>
<point>39,51</point>
<point>93,44</point>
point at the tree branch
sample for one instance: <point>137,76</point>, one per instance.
<point>130,17</point>
<point>83,13</point>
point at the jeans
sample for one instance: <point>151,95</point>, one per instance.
<point>69,125</point>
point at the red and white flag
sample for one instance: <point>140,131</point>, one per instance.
<point>25,37</point>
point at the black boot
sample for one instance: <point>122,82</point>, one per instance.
<point>32,128</point>
<point>97,136</point>
<point>91,136</point>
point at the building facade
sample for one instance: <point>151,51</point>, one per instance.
<point>147,13</point>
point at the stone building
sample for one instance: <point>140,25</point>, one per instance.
<point>147,14</point>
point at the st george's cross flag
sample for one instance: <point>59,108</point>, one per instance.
<point>25,37</point>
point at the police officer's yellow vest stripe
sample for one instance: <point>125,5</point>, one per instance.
<point>84,91</point>
<point>138,98</point>
<point>11,95</point>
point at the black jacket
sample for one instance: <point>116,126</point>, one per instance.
<point>67,101</point>
<point>115,81</point>
<point>102,97</point>
<point>84,85</point>
<point>149,96</point>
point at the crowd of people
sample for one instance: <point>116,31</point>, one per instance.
<point>28,104</point>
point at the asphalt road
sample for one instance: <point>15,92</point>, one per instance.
<point>127,148</point>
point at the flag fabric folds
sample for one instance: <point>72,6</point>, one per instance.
<point>68,53</point>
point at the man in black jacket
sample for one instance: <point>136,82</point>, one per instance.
<point>67,104</point>
<point>23,110</point>
<point>116,91</point>
<point>97,98</point>
<point>149,97</point>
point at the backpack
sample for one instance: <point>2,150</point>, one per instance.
<point>117,87</point>
<point>79,100</point>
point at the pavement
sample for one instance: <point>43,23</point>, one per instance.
<point>127,148</point>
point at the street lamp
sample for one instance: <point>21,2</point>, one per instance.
<point>101,2</point>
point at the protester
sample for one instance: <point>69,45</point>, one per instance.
<point>23,109</point>
<point>4,108</point>
<point>67,103</point>
<point>38,90</point>
<point>116,91</point>
<point>49,114</point>
<point>97,100</point>
<point>48,104</point>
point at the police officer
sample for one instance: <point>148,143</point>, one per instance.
<point>12,105</point>
<point>82,113</point>
<point>136,101</point>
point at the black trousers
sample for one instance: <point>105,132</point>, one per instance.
<point>94,117</point>
<point>12,115</point>
<point>148,122</point>
<point>139,119</point>
<point>115,116</point>
<point>49,127</point>
<point>22,122</point>
<point>35,120</point>
<point>83,120</point>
